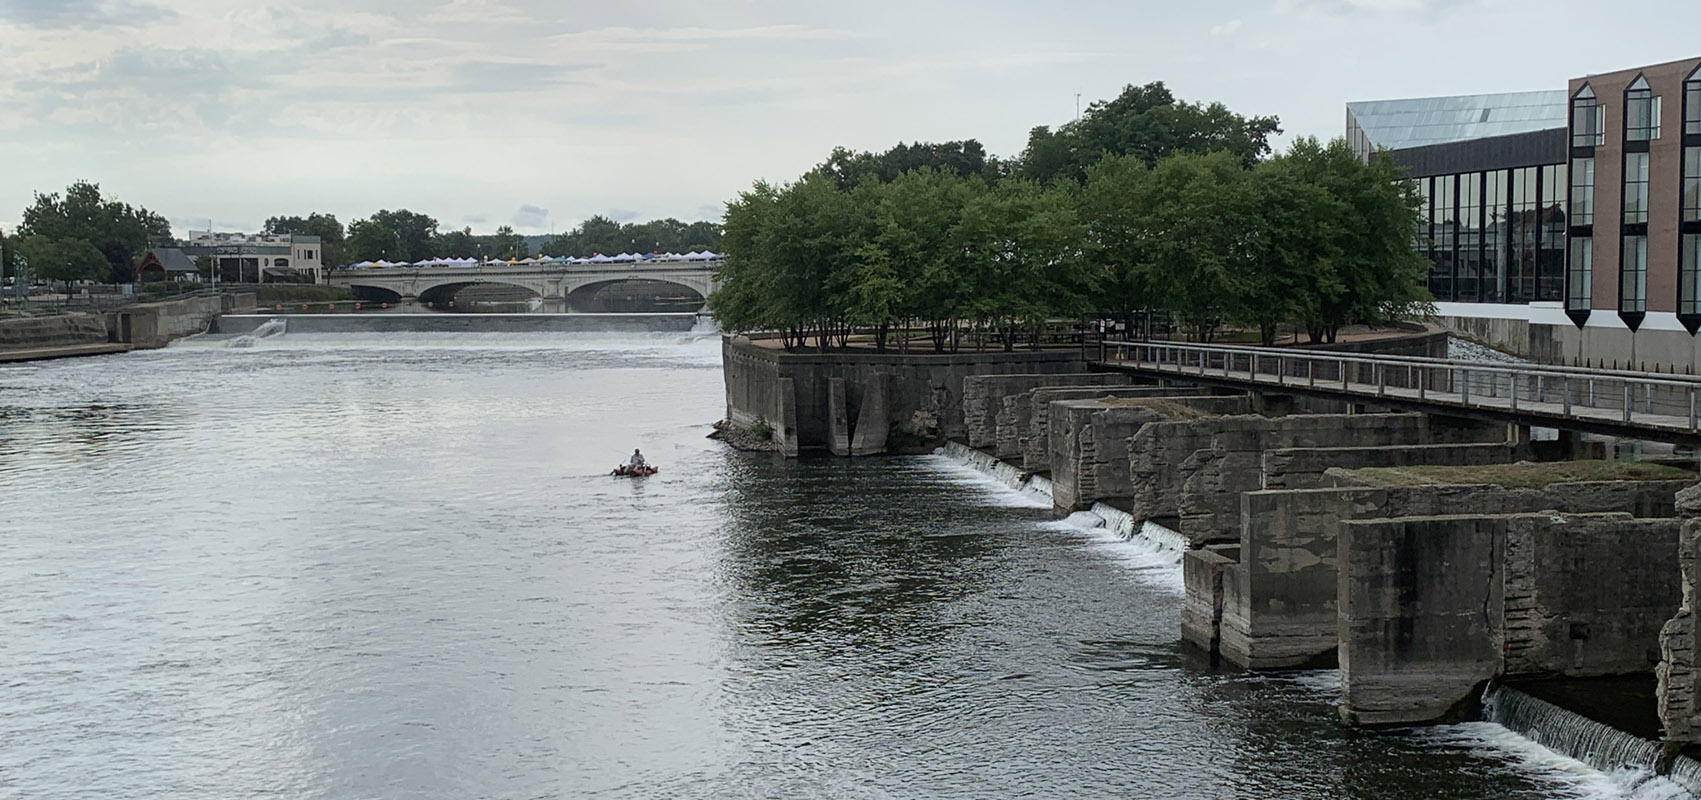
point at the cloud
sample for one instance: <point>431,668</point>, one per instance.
<point>1226,29</point>
<point>475,219</point>
<point>83,13</point>
<point>511,76</point>
<point>531,217</point>
<point>621,214</point>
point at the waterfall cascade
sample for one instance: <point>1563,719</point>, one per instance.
<point>275,326</point>
<point>1112,520</point>
<point>1631,758</point>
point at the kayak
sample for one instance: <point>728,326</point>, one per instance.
<point>624,471</point>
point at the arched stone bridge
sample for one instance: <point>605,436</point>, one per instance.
<point>553,283</point>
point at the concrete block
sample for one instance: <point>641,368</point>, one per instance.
<point>1203,572</point>
<point>838,418</point>
<point>873,420</point>
<point>983,397</point>
<point>1420,600</point>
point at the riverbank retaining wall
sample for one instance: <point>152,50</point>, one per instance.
<point>919,397</point>
<point>40,333</point>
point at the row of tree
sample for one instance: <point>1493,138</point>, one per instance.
<point>82,235</point>
<point>403,235</point>
<point>1182,211</point>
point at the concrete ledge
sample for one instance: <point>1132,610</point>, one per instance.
<point>70,351</point>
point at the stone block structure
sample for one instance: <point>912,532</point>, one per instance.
<point>983,398</point>
<point>1433,607</point>
<point>1024,423</point>
<point>1089,443</point>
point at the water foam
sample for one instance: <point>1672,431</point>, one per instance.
<point>1572,777</point>
<point>1152,562</point>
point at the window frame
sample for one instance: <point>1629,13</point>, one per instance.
<point>1641,112</point>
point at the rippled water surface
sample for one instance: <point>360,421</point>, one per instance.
<point>396,568</point>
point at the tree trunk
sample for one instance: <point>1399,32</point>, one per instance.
<point>880,336</point>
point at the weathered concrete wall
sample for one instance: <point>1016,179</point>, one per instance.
<point>1233,462</point>
<point>1420,599</point>
<point>1304,468</point>
<point>66,330</point>
<point>1676,672</point>
<point>1203,572</point>
<point>922,393</point>
<point>1280,609</point>
<point>155,325</point>
<point>1027,417</point>
<point>1431,607</point>
<point>1089,444</point>
<point>983,398</point>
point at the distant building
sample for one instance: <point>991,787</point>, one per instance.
<point>168,264</point>
<point>260,258</point>
<point>1565,225</point>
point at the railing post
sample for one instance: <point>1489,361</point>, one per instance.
<point>1627,401</point>
<point>1254,367</point>
<point>1344,386</point>
<point>1381,381</point>
<point>1567,409</point>
<point>1421,372</point>
<point>1513,379</point>
<point>1201,362</point>
<point>1694,422</point>
<point>1465,382</point>
<point>1281,371</point>
<point>1541,392</point>
<point>1310,372</point>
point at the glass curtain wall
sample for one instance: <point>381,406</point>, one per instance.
<point>1496,236</point>
<point>1633,288</point>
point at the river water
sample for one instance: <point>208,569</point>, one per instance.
<point>395,567</point>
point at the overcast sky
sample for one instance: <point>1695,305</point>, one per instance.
<point>538,113</point>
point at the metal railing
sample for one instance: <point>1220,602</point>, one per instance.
<point>1663,402</point>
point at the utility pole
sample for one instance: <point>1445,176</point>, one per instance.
<point>1077,106</point>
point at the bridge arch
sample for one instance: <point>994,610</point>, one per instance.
<point>495,291</point>
<point>635,294</point>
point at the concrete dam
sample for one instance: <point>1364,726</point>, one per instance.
<point>1450,565</point>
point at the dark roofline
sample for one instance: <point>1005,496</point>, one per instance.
<point>1533,149</point>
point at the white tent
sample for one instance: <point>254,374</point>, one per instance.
<point>363,265</point>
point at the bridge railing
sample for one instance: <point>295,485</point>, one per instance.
<point>1569,392</point>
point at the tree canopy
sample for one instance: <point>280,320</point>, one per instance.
<point>115,232</point>
<point>333,247</point>
<point>1313,238</point>
<point>1148,123</point>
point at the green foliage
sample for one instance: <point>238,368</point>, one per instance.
<point>964,159</point>
<point>600,234</point>
<point>117,233</point>
<point>333,248</point>
<point>63,259</point>
<point>416,232</point>
<point>370,240</point>
<point>507,244</point>
<point>1313,238</point>
<point>1147,123</point>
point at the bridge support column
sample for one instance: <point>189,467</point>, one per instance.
<point>554,305</point>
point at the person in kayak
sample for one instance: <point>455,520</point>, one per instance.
<point>637,461</point>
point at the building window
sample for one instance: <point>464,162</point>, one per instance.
<point>1588,119</point>
<point>1692,103</point>
<point>1578,289</point>
<point>1689,275</point>
<point>1468,284</point>
<point>1691,184</point>
<point>1524,235</point>
<point>1633,275</point>
<point>1446,238</point>
<point>1550,285</point>
<point>280,262</point>
<point>1583,191</point>
<point>1641,112</point>
<point>1635,188</point>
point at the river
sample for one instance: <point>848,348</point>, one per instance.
<point>395,567</point>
